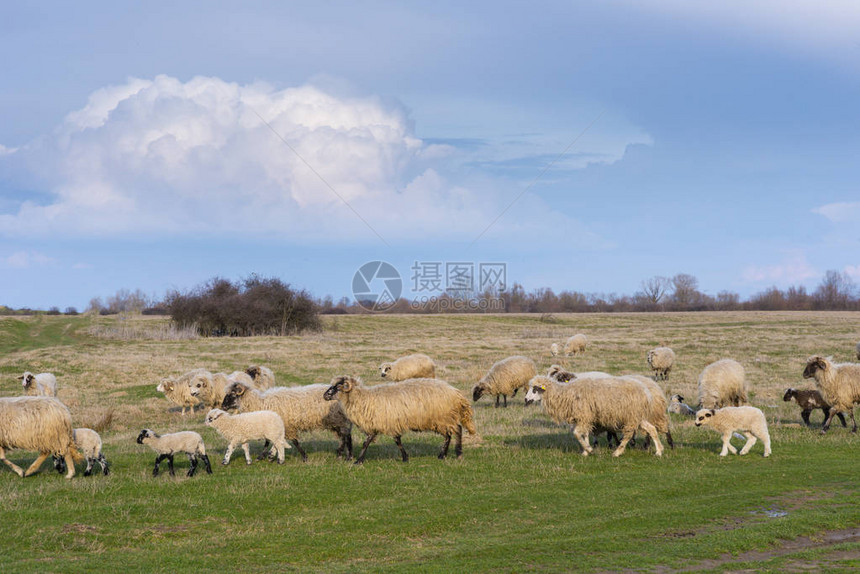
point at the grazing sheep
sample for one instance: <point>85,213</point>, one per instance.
<point>167,445</point>
<point>621,403</point>
<point>553,350</point>
<point>839,384</point>
<point>178,390</point>
<point>301,408</point>
<point>394,408</point>
<point>679,407</point>
<point>505,378</point>
<point>245,427</point>
<point>575,345</point>
<point>809,400</point>
<point>89,443</point>
<point>722,383</point>
<point>262,377</point>
<point>416,366</point>
<point>43,424</point>
<point>661,360</point>
<point>561,375</point>
<point>41,385</point>
<point>749,420</point>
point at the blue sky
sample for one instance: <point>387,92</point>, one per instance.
<point>721,141</point>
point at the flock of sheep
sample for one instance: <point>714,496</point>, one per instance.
<point>246,406</point>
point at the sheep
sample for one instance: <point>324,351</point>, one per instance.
<point>839,384</point>
<point>177,390</point>
<point>661,360</point>
<point>658,410</point>
<point>211,388</point>
<point>43,424</point>
<point>301,409</point>
<point>679,407</point>
<point>167,445</point>
<point>809,400</point>
<point>575,345</point>
<point>41,385</point>
<point>243,377</point>
<point>415,366</point>
<point>620,403</point>
<point>721,384</point>
<point>505,378</point>
<point>89,443</point>
<point>749,420</point>
<point>561,375</point>
<point>394,408</point>
<point>263,377</point>
<point>553,350</point>
<point>245,427</point>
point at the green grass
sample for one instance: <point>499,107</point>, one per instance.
<point>521,499</point>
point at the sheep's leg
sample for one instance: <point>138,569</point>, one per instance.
<point>89,469</point>
<point>505,397</point>
<point>804,414</point>
<point>229,453</point>
<point>158,460</point>
<point>751,440</point>
<point>247,449</point>
<point>280,448</point>
<point>402,450</point>
<point>445,446</point>
<point>345,447</point>
<point>853,422</point>
<point>652,434</point>
<point>104,464</point>
<point>515,392</point>
<point>17,469</point>
<point>458,443</point>
<point>497,401</point>
<point>263,455</point>
<point>70,465</point>
<point>299,448</point>
<point>192,458</point>
<point>170,464</point>
<point>37,463</point>
<point>669,440</point>
<point>842,418</point>
<point>826,426</point>
<point>765,438</point>
<point>59,464</point>
<point>583,439</point>
<point>727,444</point>
<point>366,444</point>
<point>628,434</point>
<point>206,463</point>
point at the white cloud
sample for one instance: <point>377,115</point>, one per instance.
<point>793,269</point>
<point>853,271</point>
<point>7,150</point>
<point>26,259</point>
<point>841,212</point>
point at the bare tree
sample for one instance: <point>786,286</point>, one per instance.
<point>686,290</point>
<point>835,290</point>
<point>655,288</point>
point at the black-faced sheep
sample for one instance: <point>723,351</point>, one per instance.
<point>242,428</point>
<point>41,385</point>
<point>810,400</point>
<point>661,361</point>
<point>610,403</point>
<point>89,443</point>
<point>722,383</point>
<point>167,445</point>
<point>394,408</point>
<point>749,420</point>
<point>42,424</point>
<point>301,408</point>
<point>415,366</point>
<point>262,377</point>
<point>505,378</point>
<point>839,384</point>
<point>575,345</point>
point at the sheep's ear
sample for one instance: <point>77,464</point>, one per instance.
<point>348,384</point>
<point>713,412</point>
<point>239,390</point>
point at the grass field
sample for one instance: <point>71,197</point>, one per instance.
<point>521,499</point>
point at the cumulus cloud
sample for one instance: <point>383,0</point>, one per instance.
<point>794,268</point>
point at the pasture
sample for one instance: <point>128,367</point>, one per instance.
<point>521,498</point>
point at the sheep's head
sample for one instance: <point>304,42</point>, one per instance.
<point>535,392</point>
<point>477,391</point>
<point>559,374</point>
<point>814,364</point>
<point>197,383</point>
<point>704,416</point>
<point>789,392</point>
<point>553,349</point>
<point>677,399</point>
<point>254,371</point>
<point>27,379</point>
<point>213,415</point>
<point>233,396</point>
<point>384,369</point>
<point>651,358</point>
<point>342,384</point>
<point>145,434</point>
<point>165,386</point>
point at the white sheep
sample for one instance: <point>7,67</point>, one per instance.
<point>242,428</point>
<point>553,350</point>
<point>262,377</point>
<point>722,384</point>
<point>178,390</point>
<point>839,384</point>
<point>167,445</point>
<point>41,385</point>
<point>505,378</point>
<point>301,409</point>
<point>621,403</point>
<point>43,424</point>
<point>211,388</point>
<point>749,420</point>
<point>575,344</point>
<point>394,408</point>
<point>679,407</point>
<point>661,361</point>
<point>558,373</point>
<point>89,443</point>
<point>415,366</point>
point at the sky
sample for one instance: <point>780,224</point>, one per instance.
<point>585,146</point>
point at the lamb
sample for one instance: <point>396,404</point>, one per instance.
<point>610,403</point>
<point>41,385</point>
<point>262,377</point>
<point>245,427</point>
<point>414,366</point>
<point>553,350</point>
<point>839,384</point>
<point>177,390</point>
<point>661,360</point>
<point>749,420</point>
<point>679,407</point>
<point>575,345</point>
<point>300,408</point>
<point>561,375</point>
<point>505,378</point>
<point>394,408</point>
<point>167,445</point>
<point>722,383</point>
<point>809,400</point>
<point>89,443</point>
<point>43,424</point>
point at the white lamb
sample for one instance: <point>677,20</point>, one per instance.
<point>576,344</point>
<point>89,443</point>
<point>41,385</point>
<point>245,427</point>
<point>167,445</point>
<point>749,420</point>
